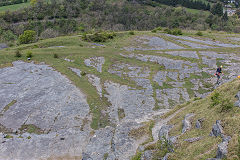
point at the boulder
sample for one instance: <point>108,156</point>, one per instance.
<point>191,140</point>
<point>3,45</point>
<point>223,148</point>
<point>217,129</point>
<point>147,155</point>
<point>163,133</point>
<point>186,122</point>
<point>199,123</point>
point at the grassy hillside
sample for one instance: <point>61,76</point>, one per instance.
<point>207,147</point>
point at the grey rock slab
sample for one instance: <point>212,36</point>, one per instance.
<point>173,75</point>
<point>160,77</point>
<point>100,143</point>
<point>95,62</point>
<point>77,71</point>
<point>96,82</point>
<point>135,103</point>
<point>187,122</point>
<point>191,140</point>
<point>163,132</point>
<point>50,105</point>
<point>44,146</point>
<point>153,43</point>
<point>97,44</point>
<point>147,155</point>
<point>123,145</point>
<point>194,45</point>
<point>207,42</point>
<point>211,62</point>
<point>161,43</point>
<point>3,45</point>
<point>131,71</point>
<point>214,55</point>
<point>172,94</point>
<point>187,54</point>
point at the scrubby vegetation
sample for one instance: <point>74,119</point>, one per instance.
<point>98,36</point>
<point>53,18</point>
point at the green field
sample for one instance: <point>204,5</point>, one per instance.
<point>14,7</point>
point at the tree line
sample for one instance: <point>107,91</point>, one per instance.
<point>65,17</point>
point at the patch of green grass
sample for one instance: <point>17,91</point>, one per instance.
<point>8,106</point>
<point>137,156</point>
<point>121,113</point>
<point>105,156</point>
<point>30,128</point>
<point>8,136</point>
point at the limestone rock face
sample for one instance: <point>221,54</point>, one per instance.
<point>95,62</point>
<point>3,45</point>
<point>187,123</point>
<point>217,129</point>
<point>163,132</point>
<point>223,147</point>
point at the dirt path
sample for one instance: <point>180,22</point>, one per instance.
<point>162,122</point>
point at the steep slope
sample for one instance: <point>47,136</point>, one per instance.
<point>194,139</point>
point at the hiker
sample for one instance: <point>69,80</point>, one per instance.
<point>218,73</point>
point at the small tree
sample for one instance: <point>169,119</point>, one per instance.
<point>28,36</point>
<point>18,54</point>
<point>199,33</point>
<point>55,55</point>
<point>29,54</point>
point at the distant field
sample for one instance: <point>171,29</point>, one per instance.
<point>14,7</point>
<point>197,11</point>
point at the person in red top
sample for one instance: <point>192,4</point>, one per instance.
<point>218,74</point>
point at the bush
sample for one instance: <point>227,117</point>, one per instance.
<point>55,55</point>
<point>226,105</point>
<point>83,73</point>
<point>29,54</point>
<point>137,156</point>
<point>18,54</point>
<point>99,36</point>
<point>131,33</point>
<point>199,33</point>
<point>215,99</point>
<point>28,36</point>
<point>154,31</point>
<point>157,29</point>
<point>168,31</point>
<point>163,147</point>
<point>177,32</point>
<point>173,32</point>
